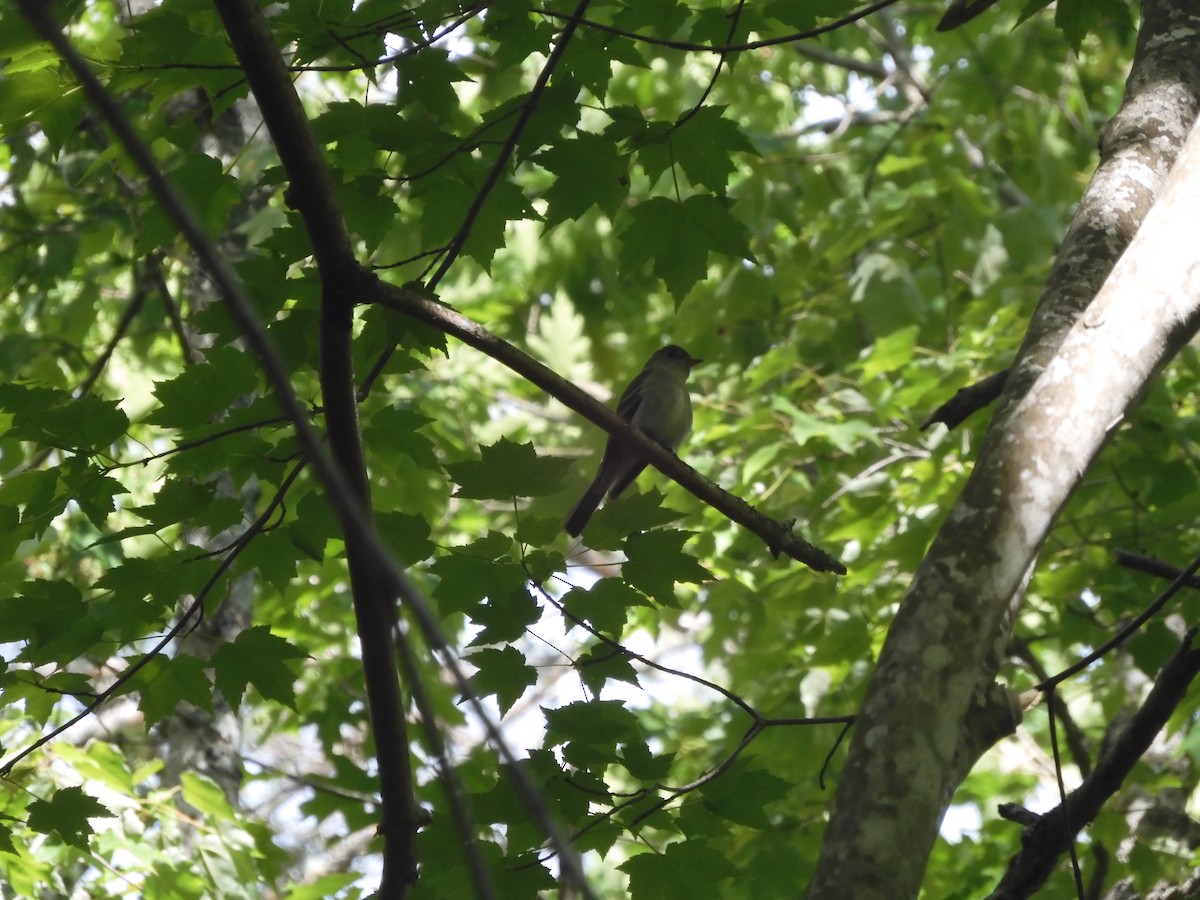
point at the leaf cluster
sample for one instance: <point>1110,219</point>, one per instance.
<point>842,271</point>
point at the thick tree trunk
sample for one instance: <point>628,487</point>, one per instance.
<point>930,707</point>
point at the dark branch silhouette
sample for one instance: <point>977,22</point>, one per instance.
<point>1054,833</point>
<point>968,400</point>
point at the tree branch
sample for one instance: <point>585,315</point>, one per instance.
<point>1155,567</point>
<point>728,48</point>
<point>312,192</point>
<point>1054,833</point>
<point>1084,365</point>
<point>968,400</point>
<point>960,12</point>
<point>817,53</point>
<point>339,491</point>
<point>510,145</point>
<point>1126,632</point>
<point>778,537</point>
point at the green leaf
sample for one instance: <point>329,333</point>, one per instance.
<point>94,493</point>
<point>395,428</point>
<point>315,525</point>
<point>197,504</point>
<point>369,213</point>
<point>644,765</point>
<point>662,18</point>
<point>705,148</point>
<point>846,637</point>
<point>207,189</point>
<point>259,658</point>
<point>408,534</point>
<point>516,33</point>
<point>890,353</point>
<point>1077,18</point>
<point>595,722</point>
<point>557,111</point>
<point>66,814</point>
<point>10,532</point>
<point>475,571</point>
<point>592,54</point>
<point>543,565</point>
<point>1032,8</point>
<point>589,172</point>
<point>657,561</point>
<point>203,393</point>
<point>205,795</point>
<point>417,337</point>
<point>804,16</point>
<point>682,870</point>
<point>506,615</point>
<point>272,555</point>
<point>57,419</point>
<point>603,662</point>
<point>165,682</point>
<point>506,470</point>
<point>742,794</point>
<point>675,239</point>
<point>428,78</point>
<point>52,617</point>
<point>143,590</point>
<point>449,202</point>
<point>604,606</point>
<point>504,673</point>
<point>99,762</point>
<point>31,94</point>
<point>321,888</point>
<point>629,513</point>
<point>39,497</point>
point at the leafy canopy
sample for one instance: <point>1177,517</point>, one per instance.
<point>849,229</point>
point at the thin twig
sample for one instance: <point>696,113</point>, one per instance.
<point>338,490</point>
<point>193,610</point>
<point>493,177</point>
<point>451,784</point>
<point>734,18</point>
<point>1068,831</point>
<point>1125,633</point>
<point>728,48</point>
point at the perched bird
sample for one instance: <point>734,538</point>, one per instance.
<point>658,403</point>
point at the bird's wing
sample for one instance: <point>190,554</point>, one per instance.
<point>631,399</point>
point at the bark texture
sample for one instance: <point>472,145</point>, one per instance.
<point>1085,361</point>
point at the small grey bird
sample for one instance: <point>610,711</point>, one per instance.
<point>658,403</point>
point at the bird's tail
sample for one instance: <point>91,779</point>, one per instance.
<point>578,518</point>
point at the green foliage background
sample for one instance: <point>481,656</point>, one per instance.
<point>842,278</point>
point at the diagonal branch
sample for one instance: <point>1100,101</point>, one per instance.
<point>1054,833</point>
<point>1152,566</point>
<point>527,110</point>
<point>778,536</point>
<point>340,493</point>
<point>967,401</point>
<point>693,47</point>
<point>1084,365</point>
<point>188,620</point>
<point>312,192</point>
<point>960,12</point>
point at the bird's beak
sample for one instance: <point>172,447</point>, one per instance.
<point>693,362</point>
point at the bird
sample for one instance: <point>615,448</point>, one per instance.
<point>657,402</point>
